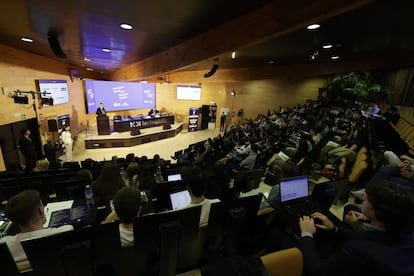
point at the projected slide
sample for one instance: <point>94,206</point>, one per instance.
<point>119,95</point>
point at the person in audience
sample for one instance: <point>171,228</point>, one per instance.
<point>395,170</point>
<point>392,115</point>
<point>68,142</point>
<point>107,184</point>
<point>27,148</point>
<point>85,173</point>
<point>196,182</point>
<point>288,169</point>
<point>26,209</point>
<point>132,174</point>
<point>127,206</point>
<point>385,246</point>
<point>50,149</point>
<point>42,165</point>
<point>222,121</point>
<point>278,159</point>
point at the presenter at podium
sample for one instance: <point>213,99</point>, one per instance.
<point>100,111</point>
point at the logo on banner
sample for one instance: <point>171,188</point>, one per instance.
<point>193,118</point>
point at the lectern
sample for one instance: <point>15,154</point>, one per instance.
<point>103,125</point>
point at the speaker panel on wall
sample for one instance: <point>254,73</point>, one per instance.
<point>135,131</point>
<point>52,125</point>
<point>55,46</point>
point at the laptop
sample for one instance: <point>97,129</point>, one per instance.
<point>174,177</point>
<point>295,195</point>
<point>180,199</point>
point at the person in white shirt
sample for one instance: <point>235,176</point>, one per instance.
<point>127,206</point>
<point>68,142</point>
<point>26,209</point>
<point>196,182</point>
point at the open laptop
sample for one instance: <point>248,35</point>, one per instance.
<point>174,177</point>
<point>295,196</point>
<point>180,199</point>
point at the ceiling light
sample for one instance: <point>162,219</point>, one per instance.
<point>334,57</point>
<point>233,55</point>
<point>271,61</point>
<point>313,27</point>
<point>126,26</point>
<point>86,59</point>
<point>143,81</point>
<point>106,50</point>
<point>25,39</point>
<point>327,46</point>
<point>89,69</point>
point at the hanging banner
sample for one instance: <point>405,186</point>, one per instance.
<point>193,118</point>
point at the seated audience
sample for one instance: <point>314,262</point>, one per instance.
<point>107,184</point>
<point>26,209</point>
<point>196,182</point>
<point>127,206</point>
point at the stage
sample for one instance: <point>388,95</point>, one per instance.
<point>125,139</point>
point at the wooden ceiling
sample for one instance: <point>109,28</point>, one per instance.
<point>170,36</point>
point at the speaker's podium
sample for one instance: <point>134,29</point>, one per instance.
<point>103,125</point>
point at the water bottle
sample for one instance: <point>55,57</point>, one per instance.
<point>89,195</point>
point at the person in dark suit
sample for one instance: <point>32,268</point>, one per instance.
<point>384,246</point>
<point>222,121</point>
<point>27,148</point>
<point>100,111</point>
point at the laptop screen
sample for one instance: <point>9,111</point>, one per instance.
<point>174,177</point>
<point>180,199</point>
<point>294,188</point>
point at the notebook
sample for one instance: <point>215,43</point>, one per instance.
<point>180,199</point>
<point>295,196</point>
<point>174,177</point>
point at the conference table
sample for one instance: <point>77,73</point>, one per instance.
<point>126,124</point>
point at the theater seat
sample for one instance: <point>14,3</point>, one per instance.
<point>284,262</point>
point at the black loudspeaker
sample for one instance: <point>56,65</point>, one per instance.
<point>212,71</point>
<point>166,126</point>
<point>135,131</point>
<point>55,46</point>
<point>52,125</point>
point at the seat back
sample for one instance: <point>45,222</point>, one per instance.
<point>8,266</point>
<point>284,262</point>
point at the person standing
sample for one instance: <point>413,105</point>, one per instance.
<point>222,121</point>
<point>27,148</point>
<point>68,142</point>
<point>100,111</point>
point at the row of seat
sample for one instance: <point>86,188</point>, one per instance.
<point>165,243</point>
<point>406,132</point>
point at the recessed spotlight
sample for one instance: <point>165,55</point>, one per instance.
<point>25,39</point>
<point>272,62</point>
<point>106,50</point>
<point>334,57</point>
<point>327,46</point>
<point>126,26</point>
<point>233,55</point>
<point>313,26</point>
<point>86,59</point>
<point>143,81</point>
<point>89,69</point>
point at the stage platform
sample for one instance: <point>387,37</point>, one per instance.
<point>125,139</point>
